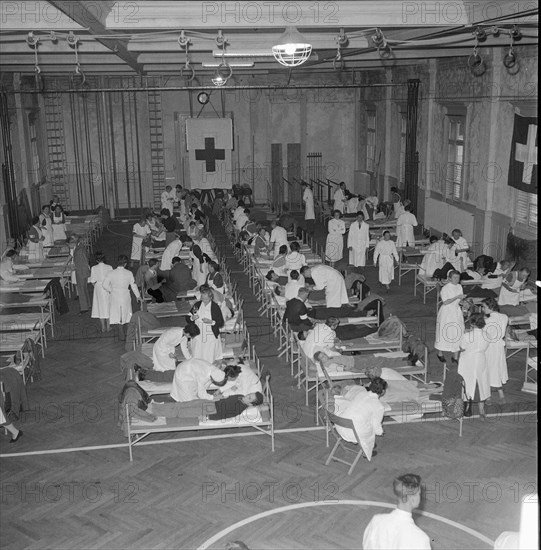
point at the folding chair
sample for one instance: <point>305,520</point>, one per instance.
<point>346,446</point>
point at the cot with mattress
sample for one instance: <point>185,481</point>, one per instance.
<point>260,419</point>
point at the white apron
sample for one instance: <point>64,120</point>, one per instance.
<point>100,298</point>
<point>59,228</point>
<point>495,329</point>
<point>206,346</point>
<point>507,298</point>
<point>472,364</point>
<point>450,322</point>
<point>47,230</point>
<point>358,240</point>
<point>200,271</point>
<point>141,231</point>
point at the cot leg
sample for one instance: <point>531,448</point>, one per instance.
<point>130,448</point>
<point>460,427</point>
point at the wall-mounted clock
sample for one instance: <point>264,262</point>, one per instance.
<point>203,98</point>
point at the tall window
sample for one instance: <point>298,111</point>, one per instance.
<point>34,156</point>
<point>370,141</point>
<point>455,157</point>
<point>403,126</point>
<point>526,209</point>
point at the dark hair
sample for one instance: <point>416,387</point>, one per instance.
<point>269,275</point>
<point>214,265</point>
<point>192,330</point>
<point>332,321</point>
<point>449,240</point>
<point>294,246</point>
<point>452,272</point>
<point>476,320</point>
<point>360,213</point>
<point>377,386</point>
<point>294,274</point>
<point>175,260</point>
<point>240,203</point>
<point>433,239</point>
<point>205,289</point>
<point>408,484</point>
<point>122,259</point>
<point>492,304</point>
<point>456,230</point>
<point>232,371</point>
<point>526,270</point>
<point>152,262</point>
<point>283,249</point>
<point>246,211</point>
<point>100,257</point>
<point>35,220</point>
<point>11,253</point>
<point>386,233</point>
<point>335,211</point>
<point>309,281</point>
<point>45,206</point>
<point>165,212</point>
<point>258,399</point>
<point>304,269</point>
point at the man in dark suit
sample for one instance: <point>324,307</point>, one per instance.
<point>296,313</point>
<point>179,280</point>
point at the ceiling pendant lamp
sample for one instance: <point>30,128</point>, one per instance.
<point>292,49</point>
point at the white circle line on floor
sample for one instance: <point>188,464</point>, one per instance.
<point>215,538</point>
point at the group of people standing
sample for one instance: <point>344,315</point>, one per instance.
<point>47,228</point>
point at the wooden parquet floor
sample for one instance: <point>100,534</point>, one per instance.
<point>180,495</point>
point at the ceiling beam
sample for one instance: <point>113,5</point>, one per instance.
<point>59,59</point>
<point>85,16</point>
<point>174,14</point>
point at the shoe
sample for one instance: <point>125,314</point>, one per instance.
<point>374,453</point>
<point>82,312</point>
<point>441,358</point>
<point>468,409</point>
<point>15,439</point>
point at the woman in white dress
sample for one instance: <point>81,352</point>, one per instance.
<point>163,351</point>
<point>35,241</point>
<point>141,230</point>
<point>340,198</point>
<point>334,248</point>
<point>157,231</point>
<point>495,329</point>
<point>59,224</point>
<point>385,251</point>
<point>100,298</point>
<point>46,225</point>
<point>511,287</point>
<point>207,315</point>
<point>404,228</point>
<point>450,322</point>
<point>295,260</point>
<point>472,365</point>
<point>433,257</point>
<point>309,211</point>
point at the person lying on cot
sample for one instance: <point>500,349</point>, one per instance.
<point>219,409</point>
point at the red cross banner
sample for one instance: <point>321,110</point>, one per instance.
<point>523,160</point>
<point>209,142</point>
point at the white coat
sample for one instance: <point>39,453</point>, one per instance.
<point>334,247</point>
<point>168,200</point>
<point>434,258</point>
<point>396,530</point>
<point>358,241</point>
<point>278,236</point>
<point>118,283</point>
<point>450,321</point>
<point>472,363</point>
<point>166,345</point>
<point>404,229</point>
<point>385,251</point>
<point>495,329</point>
<point>308,199</point>
<point>172,250</point>
<point>366,411</point>
<point>192,379</point>
<point>100,298</point>
<point>206,346</point>
<point>339,200</point>
<point>328,278</point>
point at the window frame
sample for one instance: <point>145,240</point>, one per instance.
<point>455,140</point>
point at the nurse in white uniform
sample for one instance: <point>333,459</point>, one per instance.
<point>100,298</point>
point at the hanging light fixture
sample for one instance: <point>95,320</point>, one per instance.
<point>224,72</point>
<point>292,49</point>
<point>187,72</point>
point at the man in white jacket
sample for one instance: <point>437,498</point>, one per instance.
<point>358,241</point>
